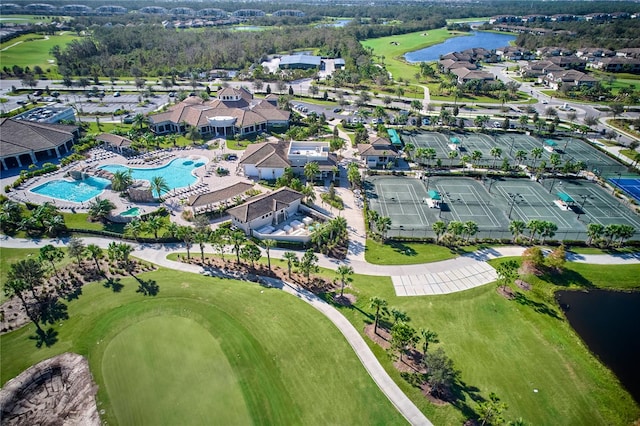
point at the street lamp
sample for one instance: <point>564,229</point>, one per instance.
<point>511,147</point>
<point>513,201</point>
<point>616,184</point>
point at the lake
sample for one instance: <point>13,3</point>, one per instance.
<point>607,321</point>
<point>484,39</point>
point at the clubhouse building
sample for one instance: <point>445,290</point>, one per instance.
<point>232,112</point>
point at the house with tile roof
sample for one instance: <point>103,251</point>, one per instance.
<point>265,160</point>
<point>378,153</point>
<point>568,78</point>
<point>269,209</point>
<point>25,142</point>
<point>232,112</point>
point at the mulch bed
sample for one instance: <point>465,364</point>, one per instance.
<point>523,285</point>
<point>506,292</point>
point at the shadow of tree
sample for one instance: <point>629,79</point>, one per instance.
<point>51,310</point>
<point>402,248</point>
<point>464,397</point>
<point>47,338</point>
<point>113,283</point>
<point>148,287</point>
<point>539,307</point>
<point>568,278</point>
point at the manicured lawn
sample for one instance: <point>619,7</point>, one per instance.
<point>79,221</point>
<point>186,375</point>
<point>398,253</point>
<point>394,47</point>
<point>33,50</point>
<point>510,348</point>
<point>286,361</point>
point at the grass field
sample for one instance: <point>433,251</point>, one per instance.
<point>398,253</point>
<point>394,47</point>
<point>287,364</point>
<point>511,349</point>
<point>32,50</point>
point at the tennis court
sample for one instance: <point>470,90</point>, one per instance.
<point>438,141</point>
<point>493,204</point>
<point>629,185</point>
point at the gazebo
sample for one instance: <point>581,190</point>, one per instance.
<point>564,200</point>
<point>550,145</point>
<point>454,143</point>
<point>433,200</point>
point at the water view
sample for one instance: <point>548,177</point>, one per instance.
<point>608,321</point>
<point>178,173</point>
<point>484,39</point>
<point>76,191</point>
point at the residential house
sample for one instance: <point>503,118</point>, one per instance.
<point>378,153</point>
<point>568,78</point>
<point>446,65</point>
<point>232,112</point>
<point>618,64</point>
<point>301,153</point>
<point>569,62</point>
<point>270,209</point>
<point>265,160</point>
<point>629,52</point>
<point>220,199</point>
<point>514,53</point>
<point>538,68</point>
<point>457,56</point>
<point>549,51</point>
<point>465,75</point>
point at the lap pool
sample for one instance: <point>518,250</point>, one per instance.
<point>76,191</point>
<point>178,173</point>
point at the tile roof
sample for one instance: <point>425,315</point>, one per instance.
<point>379,147</point>
<point>19,136</point>
<point>114,140</point>
<point>266,154</point>
<point>219,195</point>
<point>263,204</point>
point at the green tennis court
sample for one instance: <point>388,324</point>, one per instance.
<point>493,204</point>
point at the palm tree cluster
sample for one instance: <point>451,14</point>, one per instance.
<point>454,232</point>
<point>330,235</point>
<point>152,225</point>
<point>606,236</point>
<point>100,209</point>
<point>45,219</point>
<point>382,224</point>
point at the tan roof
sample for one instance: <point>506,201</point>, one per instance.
<point>380,147</point>
<point>263,204</point>
<point>21,136</point>
<point>114,140</point>
<point>220,195</point>
<point>266,154</point>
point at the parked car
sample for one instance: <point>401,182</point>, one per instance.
<point>232,157</point>
<point>116,94</point>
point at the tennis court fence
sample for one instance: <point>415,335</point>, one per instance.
<point>492,234</point>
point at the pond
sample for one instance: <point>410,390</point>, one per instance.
<point>607,321</point>
<point>484,39</point>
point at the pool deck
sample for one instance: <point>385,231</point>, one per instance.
<point>207,180</point>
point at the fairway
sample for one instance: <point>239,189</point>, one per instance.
<point>209,349</point>
<point>32,49</point>
<point>181,362</point>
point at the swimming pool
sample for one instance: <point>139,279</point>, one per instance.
<point>132,212</point>
<point>77,191</point>
<point>178,173</point>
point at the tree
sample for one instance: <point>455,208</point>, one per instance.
<point>557,258</point>
<point>521,155</point>
<point>134,228</point>
<point>536,153</point>
<point>268,243</point>
<point>353,174</point>
<point>95,252</point>
<point>380,306</point>
<point>308,264</point>
<point>51,254</point>
<point>491,410</point>
<point>507,272</point>
<point>428,337</point>
<point>595,231</point>
<point>383,223</point>
<point>139,120</point>
<point>399,316</point>
<point>344,272</point>
<point>121,180</point>
<point>237,240</point>
<point>185,233</point>
<point>470,229</point>
<point>516,227</point>
<point>27,274</point>
<point>616,109</point>
<point>439,228</point>
<point>201,237</point>
<point>452,155</point>
<point>159,185</point>
<point>534,226</point>
<point>311,170</point>
<point>548,230</point>
<point>100,209</point>
<point>403,336</point>
<point>533,259</point>
<point>291,259</point>
<point>76,248</point>
<point>153,225</point>
<point>495,153</point>
<point>441,372</point>
<point>251,253</point>
<point>475,157</point>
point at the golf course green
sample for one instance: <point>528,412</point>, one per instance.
<point>206,349</point>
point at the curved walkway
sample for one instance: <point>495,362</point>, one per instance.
<point>411,278</point>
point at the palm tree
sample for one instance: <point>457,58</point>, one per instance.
<point>380,305</point>
<point>121,180</point>
<point>268,243</point>
<point>139,120</point>
<point>452,155</point>
<point>344,271</point>
<point>172,229</point>
<point>291,259</point>
<point>154,224</point>
<point>470,229</point>
<point>237,239</point>
<point>429,337</point>
<point>534,226</point>
<point>399,315</point>
<point>185,233</point>
<point>76,248</point>
<point>594,232</point>
<point>311,170</point>
<point>250,252</point>
<point>517,227</point>
<point>521,155</point>
<point>408,149</point>
<point>496,153</point>
<point>439,228</point>
<point>95,252</point>
<point>475,157</point>
<point>29,273</point>
<point>536,153</point>
<point>383,223</point>
<point>159,185</point>
<point>100,209</point>
<point>134,228</point>
<point>51,254</point>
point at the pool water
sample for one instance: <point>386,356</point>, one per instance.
<point>132,212</point>
<point>77,191</point>
<point>178,173</point>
